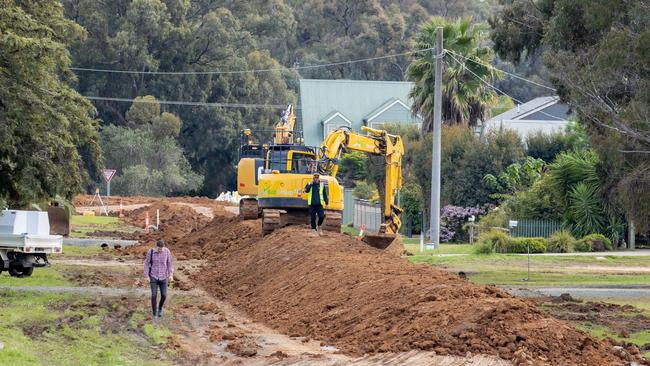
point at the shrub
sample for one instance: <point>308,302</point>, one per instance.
<point>452,219</point>
<point>597,242</point>
<point>483,247</point>
<point>495,218</point>
<point>497,239</point>
<point>561,242</point>
<point>363,190</point>
<point>520,245</point>
<point>582,246</point>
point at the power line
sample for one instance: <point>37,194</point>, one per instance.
<point>249,71</point>
<point>503,71</point>
<point>497,89</point>
<point>201,104</point>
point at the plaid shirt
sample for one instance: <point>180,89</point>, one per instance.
<point>161,266</point>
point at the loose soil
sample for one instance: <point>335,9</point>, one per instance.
<point>621,319</point>
<point>363,300</point>
<point>176,222</point>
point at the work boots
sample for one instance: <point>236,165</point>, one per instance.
<point>320,231</point>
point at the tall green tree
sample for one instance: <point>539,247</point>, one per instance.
<point>48,137</point>
<point>146,155</point>
<point>597,53</point>
<point>465,98</point>
<point>157,35</point>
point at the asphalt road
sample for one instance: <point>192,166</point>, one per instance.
<point>600,292</point>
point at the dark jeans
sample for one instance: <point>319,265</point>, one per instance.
<point>155,283</point>
<point>313,211</point>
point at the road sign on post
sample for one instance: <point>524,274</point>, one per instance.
<point>108,175</point>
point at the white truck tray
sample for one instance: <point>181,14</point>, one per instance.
<point>28,231</point>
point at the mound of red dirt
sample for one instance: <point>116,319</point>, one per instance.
<point>363,300</point>
<point>176,222</point>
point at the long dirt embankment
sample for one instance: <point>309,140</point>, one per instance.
<point>363,300</point>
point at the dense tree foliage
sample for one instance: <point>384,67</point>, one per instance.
<point>48,137</point>
<point>146,155</point>
<point>227,35</point>
<point>597,53</point>
<point>466,159</point>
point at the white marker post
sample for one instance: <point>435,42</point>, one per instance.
<point>108,175</point>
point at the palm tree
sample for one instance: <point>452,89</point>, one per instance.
<point>465,98</point>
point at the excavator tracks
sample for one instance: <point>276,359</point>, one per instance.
<point>249,209</point>
<point>273,219</point>
<point>333,220</point>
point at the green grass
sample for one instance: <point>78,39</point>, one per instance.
<point>45,276</point>
<point>77,251</point>
<point>510,269</point>
<point>82,225</point>
<point>82,220</point>
<point>350,230</point>
<point>413,246</point>
<point>44,329</point>
<point>158,333</point>
<point>639,338</point>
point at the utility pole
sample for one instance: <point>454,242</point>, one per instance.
<point>438,52</point>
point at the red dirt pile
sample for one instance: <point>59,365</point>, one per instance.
<point>176,222</point>
<point>214,237</point>
<point>363,300</point>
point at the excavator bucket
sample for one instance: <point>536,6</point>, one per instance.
<point>59,220</point>
<point>379,241</point>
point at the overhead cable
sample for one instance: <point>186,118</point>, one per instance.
<point>219,72</point>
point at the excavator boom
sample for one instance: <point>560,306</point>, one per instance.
<point>375,142</point>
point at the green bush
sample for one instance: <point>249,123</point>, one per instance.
<point>597,242</point>
<point>561,242</point>
<point>483,247</point>
<point>495,218</point>
<point>363,190</point>
<point>582,246</point>
<point>497,239</point>
<point>520,245</point>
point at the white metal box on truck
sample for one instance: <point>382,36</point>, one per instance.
<point>25,241</point>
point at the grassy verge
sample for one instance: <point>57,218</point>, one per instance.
<point>76,251</point>
<point>508,269</point>
<point>39,328</point>
<point>413,246</point>
<point>82,225</point>
<point>46,276</point>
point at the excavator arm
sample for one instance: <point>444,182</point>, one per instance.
<point>284,128</point>
<point>375,142</point>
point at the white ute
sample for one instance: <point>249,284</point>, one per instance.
<point>25,241</point>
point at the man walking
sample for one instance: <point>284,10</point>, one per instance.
<point>158,269</point>
<point>318,198</point>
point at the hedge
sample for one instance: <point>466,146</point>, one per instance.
<point>520,245</point>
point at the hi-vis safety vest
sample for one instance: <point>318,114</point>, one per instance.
<point>320,191</point>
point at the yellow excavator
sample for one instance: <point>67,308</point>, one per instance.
<point>272,177</point>
<point>253,157</point>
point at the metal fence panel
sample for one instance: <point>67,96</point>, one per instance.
<point>367,213</point>
<point>348,206</point>
<point>535,228</point>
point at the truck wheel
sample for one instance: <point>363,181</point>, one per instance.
<point>19,271</point>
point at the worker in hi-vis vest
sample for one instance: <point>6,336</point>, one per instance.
<point>317,198</point>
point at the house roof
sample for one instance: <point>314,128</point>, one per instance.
<point>333,115</point>
<point>321,99</point>
<point>538,104</point>
<point>384,107</point>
